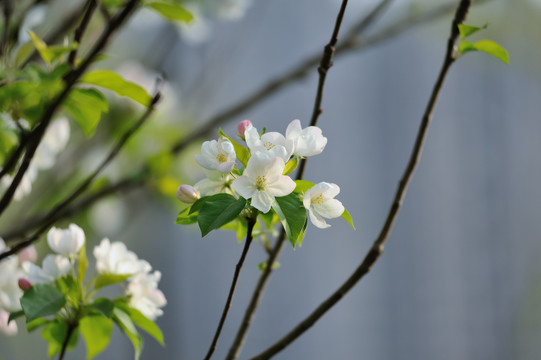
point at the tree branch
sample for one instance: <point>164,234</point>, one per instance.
<point>377,248</point>
<point>51,217</point>
<point>90,7</point>
<point>251,222</point>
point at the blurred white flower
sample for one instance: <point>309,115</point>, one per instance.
<point>29,253</point>
<point>66,242</point>
<point>145,295</point>
<point>232,9</point>
<point>52,268</point>
<point>214,183</point>
<point>308,141</point>
<point>115,258</point>
<point>262,181</point>
<point>199,29</point>
<point>10,272</point>
<point>53,142</point>
<point>217,155</point>
<point>272,144</point>
<point>5,328</point>
<point>320,202</point>
<point>187,194</point>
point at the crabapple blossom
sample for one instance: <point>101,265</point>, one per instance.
<point>214,183</point>
<point>24,284</point>
<point>308,141</point>
<point>145,295</point>
<point>115,258</point>
<point>262,181</point>
<point>272,144</point>
<point>217,155</point>
<point>187,194</point>
<point>10,272</point>
<point>29,253</point>
<point>320,202</point>
<point>66,242</point>
<point>5,328</point>
<point>52,268</point>
<point>242,126</point>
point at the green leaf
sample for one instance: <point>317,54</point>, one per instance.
<point>42,300</point>
<point>112,81</point>
<point>96,330</point>
<point>40,46</point>
<point>144,323</point>
<point>492,48</point>
<point>24,52</point>
<point>69,286</point>
<point>55,333</point>
<point>171,11</point>
<point>218,210</point>
<point>82,265</point>
<point>48,53</point>
<point>268,218</point>
<point>185,218</point>
<point>240,151</point>
<point>466,46</point>
<point>467,30</point>
<point>126,325</point>
<point>103,305</point>
<point>302,186</point>
<point>34,324</point>
<point>86,107</point>
<point>290,166</point>
<point>109,279</point>
<point>263,265</point>
<point>292,214</point>
<point>15,315</point>
<point>348,218</point>
<point>8,140</point>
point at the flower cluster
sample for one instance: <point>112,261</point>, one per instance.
<point>61,276</point>
<point>258,173</point>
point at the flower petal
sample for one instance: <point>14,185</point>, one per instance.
<point>317,220</point>
<point>282,186</point>
<point>244,187</point>
<point>262,201</point>
<point>331,209</point>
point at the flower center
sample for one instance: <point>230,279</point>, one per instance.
<point>260,183</point>
<point>268,145</point>
<point>318,199</point>
<point>221,158</point>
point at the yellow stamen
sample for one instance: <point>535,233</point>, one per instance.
<point>221,158</point>
<point>260,183</point>
<point>318,199</point>
<point>268,145</point>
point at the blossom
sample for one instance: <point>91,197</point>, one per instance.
<point>5,328</point>
<point>29,253</point>
<point>217,155</point>
<point>242,126</point>
<point>10,272</point>
<point>115,258</point>
<point>52,268</point>
<point>66,242</point>
<point>145,295</point>
<point>308,141</point>
<point>272,144</point>
<point>262,181</point>
<point>54,141</point>
<point>214,183</point>
<point>24,284</point>
<point>187,193</point>
<point>320,202</point>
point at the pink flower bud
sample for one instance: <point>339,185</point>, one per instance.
<point>24,284</point>
<point>29,253</point>
<point>187,194</point>
<point>242,127</point>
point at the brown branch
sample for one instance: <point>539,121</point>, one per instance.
<point>37,134</point>
<point>251,222</point>
<point>51,217</point>
<point>377,248</point>
<point>69,333</point>
<point>90,7</point>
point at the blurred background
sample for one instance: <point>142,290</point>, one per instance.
<point>460,277</point>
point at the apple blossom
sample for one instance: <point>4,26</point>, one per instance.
<point>214,183</point>
<point>66,242</point>
<point>115,258</point>
<point>262,181</point>
<point>308,141</point>
<point>272,144</point>
<point>320,202</point>
<point>29,253</point>
<point>187,193</point>
<point>242,126</point>
<point>145,295</point>
<point>217,155</point>
<point>10,272</point>
<point>52,268</point>
<point>24,284</point>
<point>5,328</point>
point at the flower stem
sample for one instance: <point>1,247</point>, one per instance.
<point>71,328</point>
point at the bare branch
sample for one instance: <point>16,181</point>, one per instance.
<point>90,7</point>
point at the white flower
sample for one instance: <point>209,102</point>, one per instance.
<point>262,181</point>
<point>308,141</point>
<point>145,295</point>
<point>10,272</point>
<point>54,141</point>
<point>5,328</point>
<point>214,183</point>
<point>52,268</point>
<point>115,258</point>
<point>187,194</point>
<point>217,155</point>
<point>232,9</point>
<point>272,144</point>
<point>66,242</point>
<point>320,202</point>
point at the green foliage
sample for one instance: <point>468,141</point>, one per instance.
<point>8,140</point>
<point>185,218</point>
<point>55,334</point>
<point>170,10</point>
<point>292,214</point>
<point>218,210</point>
<point>302,186</point>
<point>86,107</point>
<point>467,30</point>
<point>242,153</point>
<point>35,324</point>
<point>143,322</point>
<point>348,218</point>
<point>486,46</point>
<point>125,323</point>
<point>112,81</point>
<point>103,305</point>
<point>96,330</point>
<point>82,265</point>
<point>109,279</point>
<point>42,300</point>
<point>49,54</point>
<point>262,266</point>
<point>290,166</point>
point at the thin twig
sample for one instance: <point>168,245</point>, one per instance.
<point>251,222</point>
<point>71,328</point>
<point>8,11</point>
<point>90,7</point>
<point>70,79</point>
<point>377,248</point>
<point>51,217</point>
